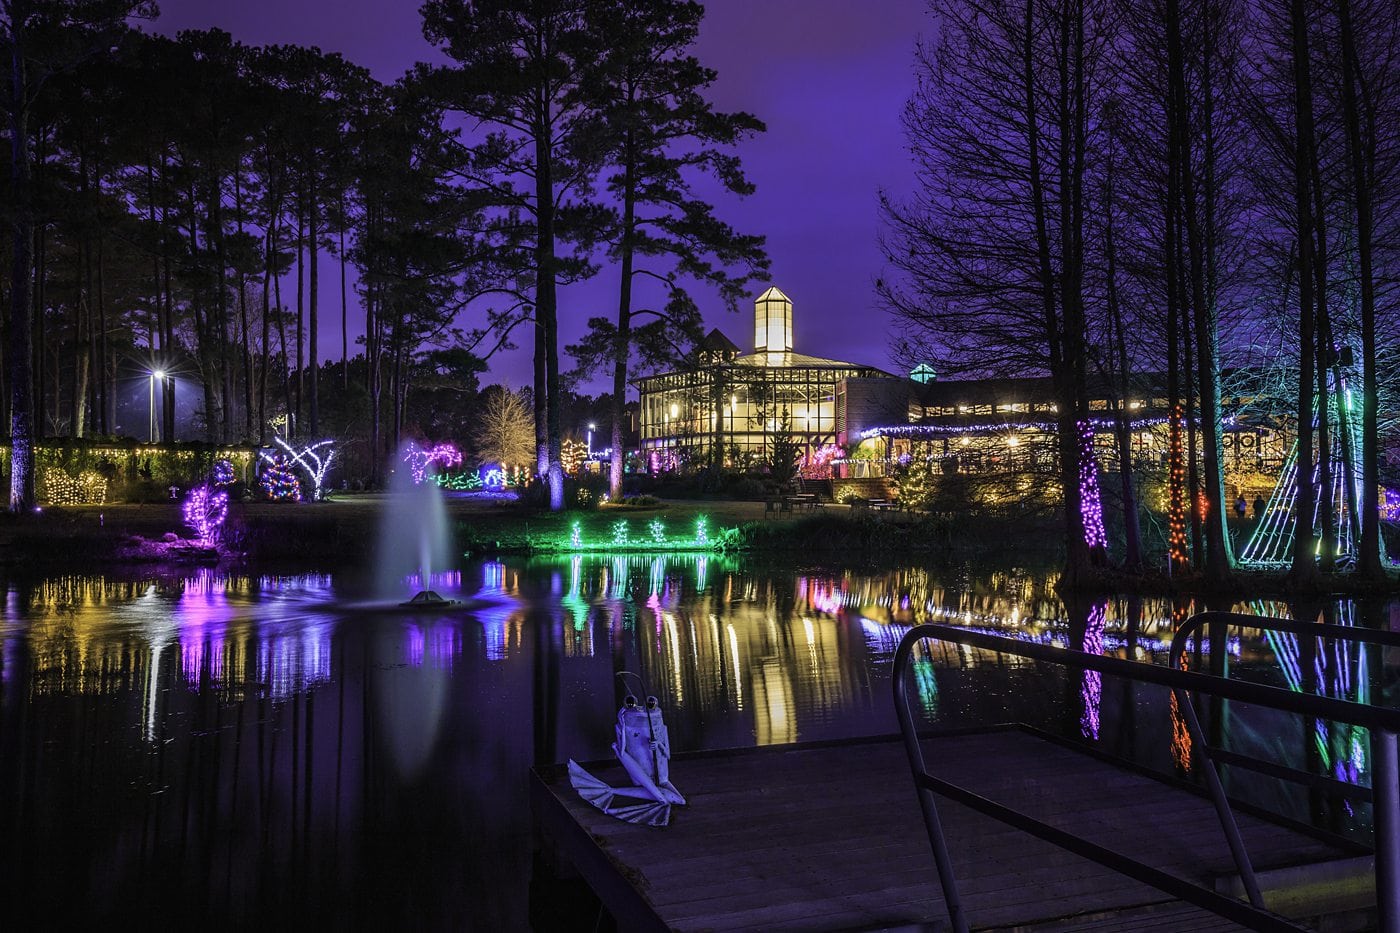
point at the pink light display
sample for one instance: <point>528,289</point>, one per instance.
<point>817,464</point>
<point>419,459</point>
<point>205,510</point>
<point>1090,505</point>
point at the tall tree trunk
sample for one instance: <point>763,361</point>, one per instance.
<point>216,215</point>
<point>546,305</point>
<point>247,341</point>
<point>77,373</point>
<point>107,412</point>
<point>1218,558</point>
<point>166,317</point>
<point>314,235</point>
<point>1304,568</point>
<point>294,428</point>
<point>268,275</point>
<point>1178,560</point>
<point>287,428</point>
<point>372,361</point>
<point>344,307</point>
<point>1369,563</point>
<point>21,239</point>
<point>39,353</point>
<point>622,347</point>
<point>1076,554</point>
<point>1132,531</point>
<point>168,345</point>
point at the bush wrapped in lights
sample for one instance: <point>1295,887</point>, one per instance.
<point>87,488</point>
<point>223,473</point>
<point>204,511</point>
<point>279,480</point>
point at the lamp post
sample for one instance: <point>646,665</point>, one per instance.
<point>156,374</point>
<point>591,428</point>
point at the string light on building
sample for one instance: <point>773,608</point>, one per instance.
<point>937,431</point>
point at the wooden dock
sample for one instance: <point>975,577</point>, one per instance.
<point>828,836</point>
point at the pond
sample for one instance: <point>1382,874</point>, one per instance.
<point>234,749</point>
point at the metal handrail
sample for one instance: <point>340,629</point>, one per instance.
<point>1386,722</point>
<point>1384,793</point>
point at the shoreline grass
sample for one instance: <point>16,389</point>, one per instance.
<point>344,533</point>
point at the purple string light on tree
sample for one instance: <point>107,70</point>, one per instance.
<point>419,459</point>
<point>1091,691</point>
<point>1090,505</point>
<point>205,510</point>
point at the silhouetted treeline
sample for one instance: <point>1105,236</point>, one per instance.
<point>1171,186</point>
<point>204,208</point>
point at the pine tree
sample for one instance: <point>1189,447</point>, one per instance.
<point>665,135</point>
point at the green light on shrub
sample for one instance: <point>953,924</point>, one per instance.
<point>655,539</point>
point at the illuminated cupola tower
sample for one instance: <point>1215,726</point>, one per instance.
<point>772,315</point>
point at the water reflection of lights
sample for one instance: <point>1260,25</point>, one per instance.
<point>1091,690</point>
<point>450,580</point>
<point>734,658</point>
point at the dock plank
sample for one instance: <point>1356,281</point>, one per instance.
<point>830,838</point>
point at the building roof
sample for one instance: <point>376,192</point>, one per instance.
<point>789,360</point>
<point>716,342</point>
<point>772,293</point>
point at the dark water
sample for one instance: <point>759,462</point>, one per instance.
<point>234,751</point>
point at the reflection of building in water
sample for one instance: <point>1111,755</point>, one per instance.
<point>774,718</point>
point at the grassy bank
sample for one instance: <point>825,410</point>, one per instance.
<point>345,531</point>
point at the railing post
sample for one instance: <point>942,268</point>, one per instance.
<point>1385,817</point>
<point>932,824</point>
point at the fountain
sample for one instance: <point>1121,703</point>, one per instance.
<point>413,539</point>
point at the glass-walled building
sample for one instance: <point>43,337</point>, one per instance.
<point>737,403</point>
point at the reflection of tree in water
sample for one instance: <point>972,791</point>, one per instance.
<point>301,759</point>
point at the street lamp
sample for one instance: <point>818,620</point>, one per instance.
<point>156,374</point>
<point>591,428</point>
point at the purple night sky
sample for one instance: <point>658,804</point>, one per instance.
<point>829,77</point>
